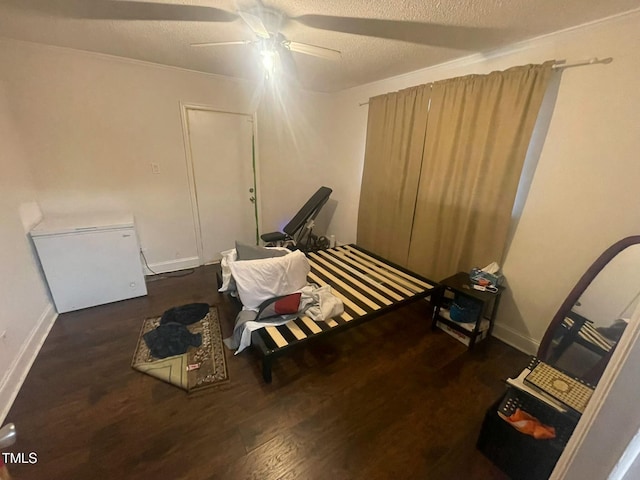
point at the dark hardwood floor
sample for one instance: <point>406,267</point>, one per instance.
<point>387,399</point>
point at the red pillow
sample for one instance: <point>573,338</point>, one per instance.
<point>284,305</point>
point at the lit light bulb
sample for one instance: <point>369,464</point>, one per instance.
<point>268,61</point>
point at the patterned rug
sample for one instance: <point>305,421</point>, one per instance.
<point>210,355</point>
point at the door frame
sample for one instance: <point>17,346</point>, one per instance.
<point>193,194</point>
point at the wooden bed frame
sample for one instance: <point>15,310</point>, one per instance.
<point>367,284</point>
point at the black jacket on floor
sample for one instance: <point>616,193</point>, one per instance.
<point>185,314</point>
<point>171,339</point>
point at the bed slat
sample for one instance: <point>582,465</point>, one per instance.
<point>296,330</point>
<point>276,336</point>
<point>343,286</point>
<point>311,325</point>
<point>345,300</point>
<point>411,288</point>
<point>351,279</point>
<point>386,266</point>
<point>352,270</point>
<point>385,280</point>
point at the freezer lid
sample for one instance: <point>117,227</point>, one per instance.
<point>55,225</point>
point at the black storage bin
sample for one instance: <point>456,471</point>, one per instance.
<point>521,456</point>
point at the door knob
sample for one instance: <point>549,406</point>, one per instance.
<point>252,199</point>
<point>251,190</point>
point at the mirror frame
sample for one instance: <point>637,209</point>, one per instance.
<point>544,351</point>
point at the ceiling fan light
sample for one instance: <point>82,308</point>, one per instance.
<point>268,58</point>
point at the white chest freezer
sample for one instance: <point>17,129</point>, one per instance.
<point>89,260</point>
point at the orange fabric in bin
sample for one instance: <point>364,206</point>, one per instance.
<point>529,425</point>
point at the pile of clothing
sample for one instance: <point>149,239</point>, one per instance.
<point>172,337</point>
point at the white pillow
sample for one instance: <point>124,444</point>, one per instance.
<point>260,280</point>
<point>228,257</point>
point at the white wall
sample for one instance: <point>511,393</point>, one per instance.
<point>95,123</point>
<point>27,312</point>
<point>297,137</point>
<point>583,195</point>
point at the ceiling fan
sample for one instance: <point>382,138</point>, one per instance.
<point>266,22</point>
<point>271,44</point>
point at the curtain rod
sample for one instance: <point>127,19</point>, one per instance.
<point>592,61</point>
<point>560,66</point>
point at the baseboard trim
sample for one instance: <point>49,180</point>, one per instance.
<point>518,341</point>
<point>172,265</point>
<point>21,364</point>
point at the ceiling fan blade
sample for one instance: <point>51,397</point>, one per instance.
<point>255,23</point>
<point>129,10</point>
<point>215,44</point>
<point>314,50</point>
<point>448,36</point>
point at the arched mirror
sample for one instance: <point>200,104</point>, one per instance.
<point>584,333</point>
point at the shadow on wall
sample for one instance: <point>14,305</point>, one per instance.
<point>323,220</point>
<point>30,216</point>
<point>515,327</point>
<point>538,138</point>
<point>514,331</point>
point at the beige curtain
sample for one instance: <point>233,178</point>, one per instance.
<point>476,141</point>
<point>393,155</point>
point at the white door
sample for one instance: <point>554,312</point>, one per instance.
<point>222,163</point>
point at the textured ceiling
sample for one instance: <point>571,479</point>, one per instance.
<point>378,39</point>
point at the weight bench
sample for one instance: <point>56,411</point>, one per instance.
<point>301,224</point>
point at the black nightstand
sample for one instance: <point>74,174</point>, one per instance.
<point>459,284</point>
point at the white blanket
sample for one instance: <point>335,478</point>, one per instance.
<point>319,304</point>
<point>260,280</point>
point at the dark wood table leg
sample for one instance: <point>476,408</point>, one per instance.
<point>266,369</point>
<point>436,298</point>
<point>494,312</point>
